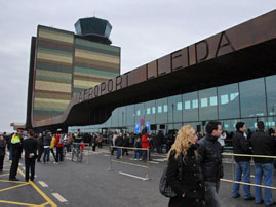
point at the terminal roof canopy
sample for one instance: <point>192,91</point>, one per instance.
<point>243,52</point>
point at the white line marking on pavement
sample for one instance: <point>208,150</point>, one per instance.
<point>59,197</point>
<point>107,155</point>
<point>133,176</point>
<point>44,185</point>
<point>160,159</point>
<point>252,176</point>
<point>153,162</point>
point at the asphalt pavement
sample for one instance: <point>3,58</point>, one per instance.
<point>101,181</point>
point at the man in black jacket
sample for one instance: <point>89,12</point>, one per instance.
<point>211,162</point>
<point>30,147</point>
<point>263,144</point>
<point>242,165</point>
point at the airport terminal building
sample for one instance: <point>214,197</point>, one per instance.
<point>75,81</point>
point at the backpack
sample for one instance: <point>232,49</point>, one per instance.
<point>164,187</point>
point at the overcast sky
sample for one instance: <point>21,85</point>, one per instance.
<point>144,29</point>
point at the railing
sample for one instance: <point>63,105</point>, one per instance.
<point>233,168</point>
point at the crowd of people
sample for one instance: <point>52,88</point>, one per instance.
<point>37,147</point>
<point>195,164</point>
<point>196,180</point>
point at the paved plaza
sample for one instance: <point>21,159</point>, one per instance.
<point>94,183</point>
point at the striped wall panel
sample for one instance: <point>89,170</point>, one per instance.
<point>53,72</point>
<point>66,64</point>
<point>94,63</point>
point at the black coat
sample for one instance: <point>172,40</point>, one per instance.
<point>30,146</point>
<point>190,182</point>
<point>240,146</point>
<point>263,144</point>
<point>2,147</point>
<point>119,141</point>
<point>210,158</point>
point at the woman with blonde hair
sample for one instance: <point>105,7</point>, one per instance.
<point>183,172</point>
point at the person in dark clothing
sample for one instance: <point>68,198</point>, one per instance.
<point>30,147</point>
<point>242,165</point>
<point>211,162</point>
<point>2,151</point>
<point>40,146</point>
<point>16,148</point>
<point>46,145</point>
<point>159,138</point>
<point>183,173</point>
<point>8,143</point>
<point>125,144</point>
<point>263,144</point>
<point>119,143</point>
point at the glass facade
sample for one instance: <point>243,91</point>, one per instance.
<point>247,101</point>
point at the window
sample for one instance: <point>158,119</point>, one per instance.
<point>208,100</point>
<point>148,111</point>
<point>233,96</point>
<point>159,109</point>
<point>190,112</point>
<point>179,106</point>
<point>204,102</point>
<point>252,96</point>
<point>195,103</point>
<point>153,110</point>
<point>162,104</point>
<point>224,99</point>
<point>174,107</point>
<point>213,101</point>
<point>187,105</point>
<point>271,94</point>
<point>138,113</point>
<point>229,106</point>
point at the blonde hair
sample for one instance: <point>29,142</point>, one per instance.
<point>185,138</point>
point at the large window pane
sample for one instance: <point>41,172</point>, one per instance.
<point>122,117</point>
<point>228,97</point>
<point>130,115</point>
<point>175,109</point>
<point>190,107</point>
<point>161,115</point>
<point>150,109</point>
<point>139,115</point>
<point>271,94</point>
<point>252,97</point>
<point>115,118</point>
<point>208,104</point>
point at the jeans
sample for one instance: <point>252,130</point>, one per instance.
<point>46,154</point>
<point>30,164</point>
<point>119,152</point>
<point>59,154</point>
<point>242,173</point>
<point>137,154</point>
<point>211,195</point>
<point>264,171</point>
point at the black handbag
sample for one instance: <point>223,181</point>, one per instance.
<point>164,187</point>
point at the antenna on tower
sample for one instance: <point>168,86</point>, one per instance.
<point>94,13</point>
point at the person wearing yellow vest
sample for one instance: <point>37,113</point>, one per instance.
<point>52,146</point>
<point>16,146</point>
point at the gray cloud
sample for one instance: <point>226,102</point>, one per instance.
<point>145,30</point>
